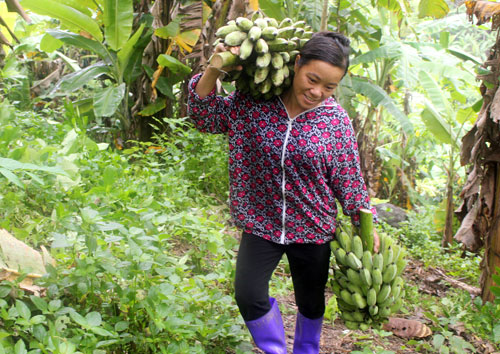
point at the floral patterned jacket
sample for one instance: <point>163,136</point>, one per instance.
<point>285,174</point>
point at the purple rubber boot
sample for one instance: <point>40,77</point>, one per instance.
<point>307,334</point>
<point>268,332</point>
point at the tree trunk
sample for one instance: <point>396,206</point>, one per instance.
<point>492,243</point>
<point>141,126</point>
<point>448,225</point>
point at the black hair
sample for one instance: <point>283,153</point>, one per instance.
<point>330,47</point>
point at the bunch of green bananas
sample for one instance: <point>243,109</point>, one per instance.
<point>368,286</point>
<point>267,52</point>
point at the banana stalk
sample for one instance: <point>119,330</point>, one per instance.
<point>366,229</point>
<point>222,59</point>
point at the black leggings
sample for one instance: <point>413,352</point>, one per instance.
<point>256,262</point>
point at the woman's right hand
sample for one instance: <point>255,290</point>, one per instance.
<point>219,48</point>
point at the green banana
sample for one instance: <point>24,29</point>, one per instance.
<point>286,22</point>
<point>396,305</point>
<point>302,42</point>
<point>336,288</point>
<point>278,91</point>
<point>357,246</point>
<point>225,30</point>
<point>395,291</point>
<point>354,277</point>
<point>347,297</point>
<point>278,45</point>
<point>359,300</point>
<point>378,261</point>
<point>277,77</point>
<point>389,273</point>
<point>285,56</point>
<point>340,256</point>
<point>366,260</point>
<point>353,288</point>
<point>293,54</point>
<point>398,281</point>
<point>384,293</point>
<point>261,22</point>
<point>257,14</point>
<point>244,23</point>
<point>344,306</point>
<point>254,33</point>
<point>334,245</point>
<point>272,22</point>
<point>352,325</point>
<point>401,265</point>
<point>266,85</point>
<point>384,311</point>
<point>366,277</point>
<point>261,46</point>
<point>376,277</point>
<point>286,32</point>
<point>263,60</point>
<point>286,71</point>
<point>261,74</point>
<point>246,48</point>
<point>387,256</point>
<point>235,38</point>
<point>353,261</point>
<point>277,61</point>
<point>358,316</point>
<point>269,33</point>
<point>371,297</point>
<point>347,316</point>
<point>373,310</point>
<point>307,35</point>
<point>299,24</point>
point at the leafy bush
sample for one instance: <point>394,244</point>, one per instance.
<point>144,257</point>
<point>423,242</point>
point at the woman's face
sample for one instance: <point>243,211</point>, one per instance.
<point>314,82</point>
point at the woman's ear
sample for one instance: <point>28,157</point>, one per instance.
<point>296,65</point>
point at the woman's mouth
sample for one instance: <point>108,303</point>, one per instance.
<point>310,100</point>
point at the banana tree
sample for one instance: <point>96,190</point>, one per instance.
<point>480,210</point>
<point>445,121</point>
<point>109,37</point>
<point>116,36</point>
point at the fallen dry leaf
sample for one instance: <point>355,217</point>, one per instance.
<point>402,327</point>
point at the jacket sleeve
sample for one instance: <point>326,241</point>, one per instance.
<point>347,181</point>
<point>211,112</point>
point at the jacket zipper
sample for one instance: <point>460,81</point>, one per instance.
<point>283,181</point>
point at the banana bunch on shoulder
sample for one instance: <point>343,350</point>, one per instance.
<point>267,52</point>
<point>368,286</point>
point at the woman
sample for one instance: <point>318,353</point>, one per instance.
<point>290,158</point>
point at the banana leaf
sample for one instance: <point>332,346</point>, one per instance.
<point>70,17</point>
<point>118,16</point>
<point>380,98</point>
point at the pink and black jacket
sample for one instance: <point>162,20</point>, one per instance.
<point>285,174</point>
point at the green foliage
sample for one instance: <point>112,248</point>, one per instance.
<point>423,242</point>
<point>144,261</point>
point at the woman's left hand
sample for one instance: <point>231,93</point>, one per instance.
<point>376,241</point>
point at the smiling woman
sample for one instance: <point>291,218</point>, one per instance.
<point>291,158</point>
<point>313,83</point>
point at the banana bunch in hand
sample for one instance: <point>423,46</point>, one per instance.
<point>267,51</point>
<point>368,286</point>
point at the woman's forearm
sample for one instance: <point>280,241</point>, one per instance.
<point>207,82</point>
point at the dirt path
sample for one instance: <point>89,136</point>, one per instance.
<point>337,339</point>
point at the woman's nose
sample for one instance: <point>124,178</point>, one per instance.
<point>315,91</point>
